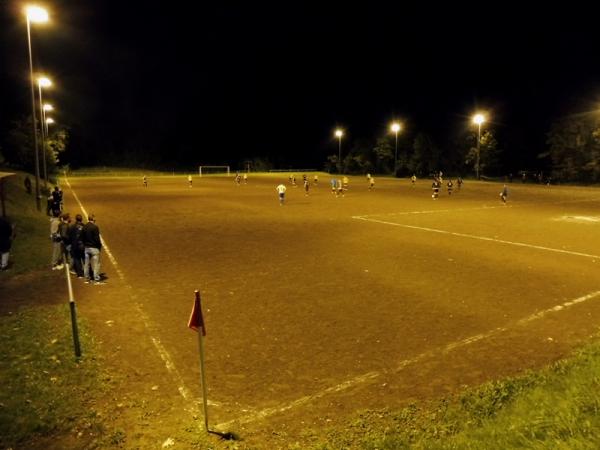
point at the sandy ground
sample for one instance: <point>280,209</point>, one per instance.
<point>329,305</point>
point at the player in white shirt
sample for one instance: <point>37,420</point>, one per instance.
<point>281,191</point>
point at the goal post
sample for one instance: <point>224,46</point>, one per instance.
<point>210,170</point>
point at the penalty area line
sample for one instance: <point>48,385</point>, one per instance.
<point>480,238</point>
<point>370,376</point>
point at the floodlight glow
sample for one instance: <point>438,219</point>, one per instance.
<point>36,14</point>
<point>48,107</point>
<point>395,127</point>
<point>49,120</point>
<point>478,119</point>
<point>44,82</point>
<point>339,133</point>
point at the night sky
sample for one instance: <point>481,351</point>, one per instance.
<point>215,84</point>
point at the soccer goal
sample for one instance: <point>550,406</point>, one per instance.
<point>211,170</point>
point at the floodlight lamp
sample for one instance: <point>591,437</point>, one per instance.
<point>48,107</point>
<point>44,82</point>
<point>339,133</point>
<point>395,127</point>
<point>49,120</point>
<point>478,119</point>
<point>36,14</point>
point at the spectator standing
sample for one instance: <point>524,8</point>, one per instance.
<point>56,239</point>
<point>63,228</point>
<point>76,244</point>
<point>7,234</point>
<point>27,185</point>
<point>49,203</point>
<point>92,246</point>
<point>56,201</point>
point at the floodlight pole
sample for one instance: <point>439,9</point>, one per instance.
<point>33,122</point>
<point>396,154</point>
<point>340,152</point>
<point>44,135</point>
<point>478,150</point>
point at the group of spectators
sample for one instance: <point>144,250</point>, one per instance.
<point>76,244</point>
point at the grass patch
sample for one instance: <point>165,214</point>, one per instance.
<point>31,248</point>
<point>45,391</point>
<point>557,407</point>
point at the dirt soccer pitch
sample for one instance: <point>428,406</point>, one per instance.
<point>328,305</point>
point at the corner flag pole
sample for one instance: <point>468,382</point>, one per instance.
<point>196,323</point>
<point>76,343</point>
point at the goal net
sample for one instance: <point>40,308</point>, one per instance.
<point>211,170</point>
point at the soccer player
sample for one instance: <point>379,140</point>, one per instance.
<point>190,180</point>
<point>145,180</point>
<point>333,186</point>
<point>435,186</point>
<point>281,191</point>
<point>371,183</point>
<point>245,178</point>
<point>504,194</point>
<point>459,182</point>
<point>316,180</point>
<point>340,187</point>
<point>413,179</point>
<point>450,186</point>
<point>345,182</point>
<point>238,178</point>
<point>306,187</point>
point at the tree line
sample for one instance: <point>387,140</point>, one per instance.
<point>572,153</point>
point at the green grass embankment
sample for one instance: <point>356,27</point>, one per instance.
<point>47,396</point>
<point>554,408</point>
<point>31,248</point>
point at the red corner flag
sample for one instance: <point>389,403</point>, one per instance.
<point>196,321</point>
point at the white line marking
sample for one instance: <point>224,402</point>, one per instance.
<point>481,238</point>
<point>433,211</point>
<point>162,351</point>
<point>369,376</point>
<point>476,208</point>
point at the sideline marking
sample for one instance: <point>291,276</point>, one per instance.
<point>162,351</point>
<point>369,376</point>
<point>481,238</point>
